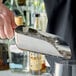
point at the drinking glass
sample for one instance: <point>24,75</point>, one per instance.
<point>65,68</point>
<point>18,59</point>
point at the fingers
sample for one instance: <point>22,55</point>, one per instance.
<point>8,30</point>
<point>7,25</point>
<point>2,34</point>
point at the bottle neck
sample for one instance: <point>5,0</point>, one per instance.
<point>37,22</point>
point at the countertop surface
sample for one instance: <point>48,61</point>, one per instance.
<point>9,73</point>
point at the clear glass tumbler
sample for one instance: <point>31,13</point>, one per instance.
<point>19,59</point>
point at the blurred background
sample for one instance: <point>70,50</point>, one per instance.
<point>28,10</point>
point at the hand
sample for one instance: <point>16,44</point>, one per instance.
<point>7,23</point>
<point>1,1</point>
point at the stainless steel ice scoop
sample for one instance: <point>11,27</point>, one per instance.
<point>36,41</point>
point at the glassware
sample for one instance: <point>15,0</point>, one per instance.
<point>65,68</point>
<point>37,25</point>
<point>16,9</point>
<point>28,12</point>
<point>35,63</point>
<point>19,59</point>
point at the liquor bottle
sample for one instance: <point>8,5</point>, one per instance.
<point>37,24</point>
<point>28,12</point>
<point>35,63</point>
<point>35,8</point>
<point>43,17</point>
<point>17,10</point>
<point>36,4</point>
<point>32,9</point>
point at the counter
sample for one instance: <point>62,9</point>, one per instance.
<point>9,73</point>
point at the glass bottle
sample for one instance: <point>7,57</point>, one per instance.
<point>36,4</point>
<point>35,63</point>
<point>28,12</point>
<point>17,10</point>
<point>43,17</point>
<point>32,9</point>
<point>37,24</point>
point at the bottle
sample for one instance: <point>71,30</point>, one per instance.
<point>28,13</point>
<point>43,17</point>
<point>36,4</point>
<point>4,57</point>
<point>32,9</point>
<point>43,63</point>
<point>19,59</point>
<point>35,63</point>
<point>37,24</point>
<point>17,10</point>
